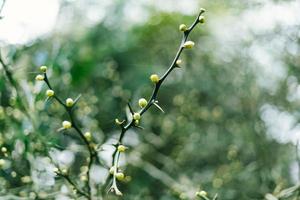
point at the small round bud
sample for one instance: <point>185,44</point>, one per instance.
<point>84,169</point>
<point>4,149</point>
<point>142,102</point>
<point>69,102</point>
<point>178,62</point>
<point>88,136</point>
<point>154,78</point>
<point>50,93</point>
<point>120,176</point>
<point>55,170</point>
<point>64,171</point>
<point>136,116</point>
<point>202,10</point>
<point>112,170</point>
<point>122,148</point>
<point>2,162</point>
<point>39,77</point>
<point>201,20</point>
<point>13,174</point>
<point>83,178</point>
<point>201,193</point>
<point>26,179</point>
<point>66,124</point>
<point>136,122</point>
<point>182,27</point>
<point>43,68</point>
<point>75,190</point>
<point>188,44</point>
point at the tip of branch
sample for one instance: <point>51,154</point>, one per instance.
<point>115,190</point>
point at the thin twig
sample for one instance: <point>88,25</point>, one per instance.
<point>298,158</point>
<point>92,153</point>
<point>16,86</point>
<point>67,178</point>
<point>79,191</point>
<point>1,8</point>
<point>152,100</point>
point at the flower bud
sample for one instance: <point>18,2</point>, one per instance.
<point>2,162</point>
<point>112,170</point>
<point>43,68</point>
<point>178,62</point>
<point>136,122</point>
<point>122,148</point>
<point>88,136</point>
<point>188,44</point>
<point>83,178</point>
<point>202,10</point>
<point>182,27</point>
<point>55,170</point>
<point>64,171</point>
<point>26,179</point>
<point>142,102</point>
<point>136,116</point>
<point>69,102</point>
<point>154,78</point>
<point>120,176</point>
<point>66,124</point>
<point>201,20</point>
<point>4,149</point>
<point>50,93</point>
<point>201,193</point>
<point>39,77</point>
<point>13,174</point>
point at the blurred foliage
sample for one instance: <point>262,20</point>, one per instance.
<point>211,137</point>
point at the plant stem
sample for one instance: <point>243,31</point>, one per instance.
<point>153,97</point>
<point>92,153</point>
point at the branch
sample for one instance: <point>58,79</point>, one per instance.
<point>65,175</point>
<point>1,8</point>
<point>153,98</point>
<point>298,157</point>
<point>69,107</point>
<point>15,85</point>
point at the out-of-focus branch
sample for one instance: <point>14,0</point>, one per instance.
<point>64,174</point>
<point>73,123</point>
<point>1,8</point>
<point>16,86</point>
<point>298,158</point>
<point>284,194</point>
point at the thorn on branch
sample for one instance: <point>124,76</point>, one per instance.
<point>77,99</point>
<point>156,104</point>
<point>140,127</point>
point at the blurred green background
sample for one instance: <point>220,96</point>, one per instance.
<point>231,112</point>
